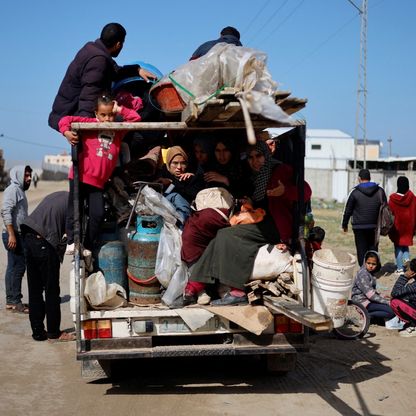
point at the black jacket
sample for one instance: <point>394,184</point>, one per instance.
<point>205,47</point>
<point>90,73</point>
<point>402,289</point>
<point>49,220</point>
<point>363,204</point>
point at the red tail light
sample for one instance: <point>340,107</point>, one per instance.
<point>100,328</point>
<point>284,325</point>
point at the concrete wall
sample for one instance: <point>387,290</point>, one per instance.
<point>327,184</point>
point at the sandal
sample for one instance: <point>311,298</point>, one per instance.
<point>64,337</point>
<point>18,308</point>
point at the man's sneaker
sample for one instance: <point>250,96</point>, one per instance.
<point>70,249</point>
<point>408,332</point>
<point>394,323</point>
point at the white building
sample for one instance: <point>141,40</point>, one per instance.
<point>62,159</point>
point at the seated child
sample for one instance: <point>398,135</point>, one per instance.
<point>364,290</point>
<point>403,300</point>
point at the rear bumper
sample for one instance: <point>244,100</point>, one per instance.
<point>218,345</point>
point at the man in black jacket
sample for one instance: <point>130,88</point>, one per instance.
<point>90,73</point>
<point>228,35</point>
<point>43,232</point>
<point>363,205</point>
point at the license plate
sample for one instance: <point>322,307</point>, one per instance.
<point>178,326</point>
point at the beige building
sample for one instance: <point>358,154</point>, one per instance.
<point>372,149</point>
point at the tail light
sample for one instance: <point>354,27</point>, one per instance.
<point>284,325</point>
<point>100,328</point>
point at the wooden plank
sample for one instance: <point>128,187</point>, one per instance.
<point>296,311</point>
<point>230,110</point>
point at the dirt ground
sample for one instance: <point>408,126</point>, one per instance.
<point>372,376</point>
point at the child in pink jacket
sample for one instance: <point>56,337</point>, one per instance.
<point>97,158</point>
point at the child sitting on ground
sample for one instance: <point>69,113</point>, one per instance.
<point>364,292</point>
<point>98,156</point>
<point>403,300</point>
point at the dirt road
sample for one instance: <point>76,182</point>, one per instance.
<point>374,376</point>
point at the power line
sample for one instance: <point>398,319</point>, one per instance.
<point>29,142</point>
<point>283,21</point>
<point>268,21</point>
<point>256,16</point>
<point>330,37</point>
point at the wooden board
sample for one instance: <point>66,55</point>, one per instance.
<point>297,312</point>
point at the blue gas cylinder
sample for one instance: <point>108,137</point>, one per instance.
<point>111,261</point>
<point>142,246</point>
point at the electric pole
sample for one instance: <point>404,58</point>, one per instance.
<point>389,141</point>
<point>361,112</point>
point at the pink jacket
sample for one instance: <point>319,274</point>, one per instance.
<point>100,149</point>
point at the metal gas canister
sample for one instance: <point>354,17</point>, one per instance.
<point>142,246</point>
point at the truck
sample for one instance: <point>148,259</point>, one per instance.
<point>155,331</point>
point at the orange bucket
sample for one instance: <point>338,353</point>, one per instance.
<point>168,98</point>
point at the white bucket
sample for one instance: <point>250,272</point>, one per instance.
<point>332,279</point>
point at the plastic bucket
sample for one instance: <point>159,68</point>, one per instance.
<point>332,279</point>
<point>168,98</point>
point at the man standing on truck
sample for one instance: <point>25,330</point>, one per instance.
<point>14,211</point>
<point>44,231</point>
<point>363,205</point>
<point>92,71</point>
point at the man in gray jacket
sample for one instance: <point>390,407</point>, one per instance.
<point>14,211</point>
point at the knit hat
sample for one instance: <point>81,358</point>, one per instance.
<point>172,152</point>
<point>402,185</point>
<point>364,174</point>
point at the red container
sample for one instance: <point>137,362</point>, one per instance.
<point>168,98</point>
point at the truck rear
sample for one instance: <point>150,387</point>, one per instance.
<point>274,328</point>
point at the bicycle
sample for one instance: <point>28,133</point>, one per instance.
<point>356,324</point>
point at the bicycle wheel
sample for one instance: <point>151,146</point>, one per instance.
<point>357,322</point>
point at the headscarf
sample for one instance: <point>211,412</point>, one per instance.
<point>172,152</point>
<point>261,179</point>
<point>402,185</point>
<point>207,143</point>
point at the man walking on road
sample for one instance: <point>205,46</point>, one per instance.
<point>44,231</point>
<point>14,211</point>
<point>363,205</point>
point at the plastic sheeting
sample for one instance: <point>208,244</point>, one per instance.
<point>228,65</point>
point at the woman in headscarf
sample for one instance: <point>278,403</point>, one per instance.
<point>229,258</point>
<point>226,170</point>
<point>203,153</point>
<point>403,206</point>
<point>180,186</point>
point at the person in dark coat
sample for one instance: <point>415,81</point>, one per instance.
<point>363,205</point>
<point>43,232</point>
<point>228,35</point>
<point>403,206</point>
<point>92,71</point>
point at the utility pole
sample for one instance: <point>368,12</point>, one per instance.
<point>389,141</point>
<point>361,112</point>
